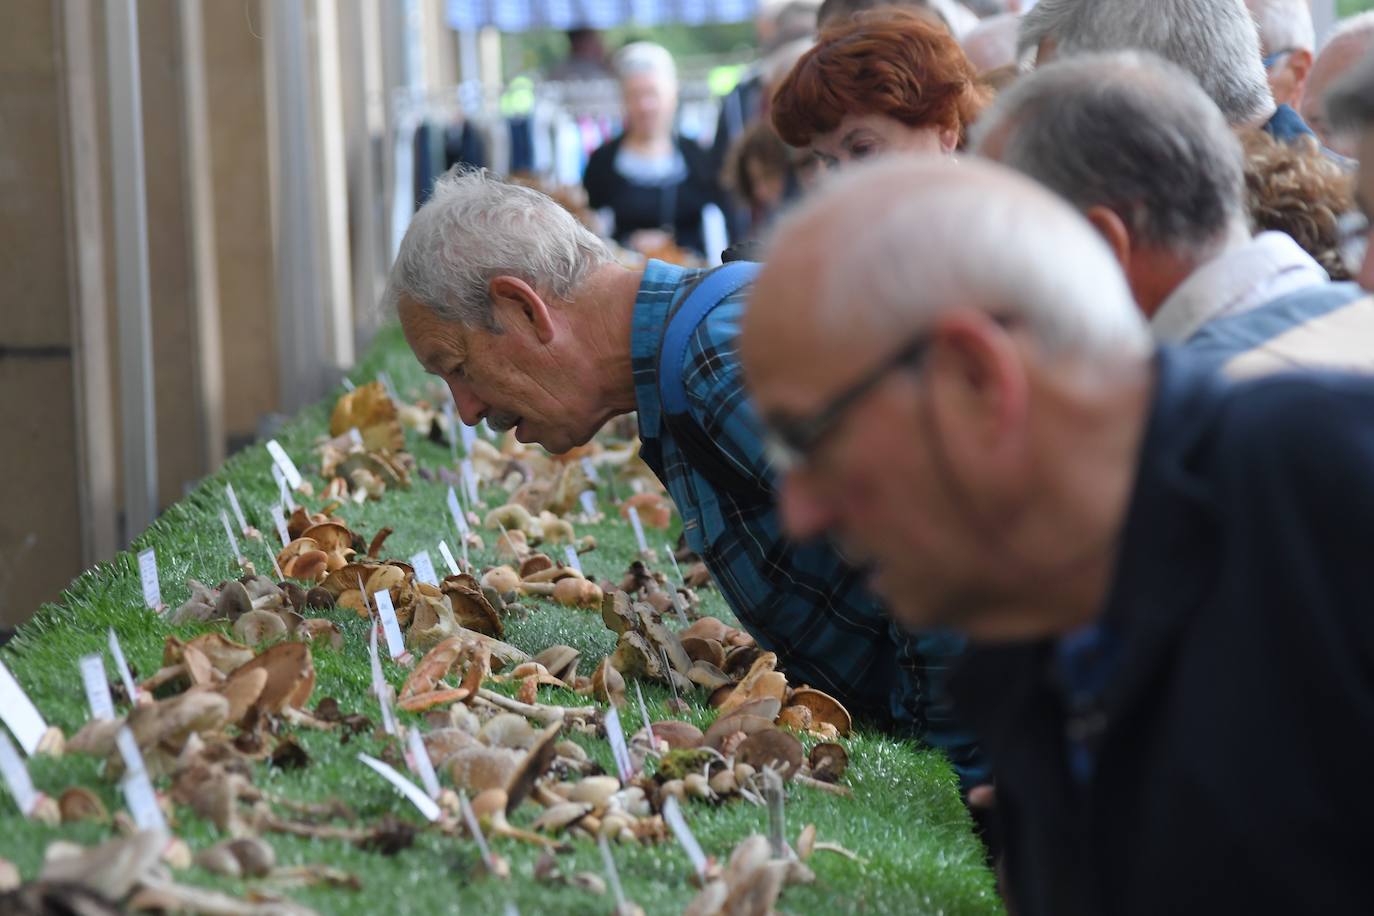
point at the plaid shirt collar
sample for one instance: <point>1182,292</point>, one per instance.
<point>659,290</point>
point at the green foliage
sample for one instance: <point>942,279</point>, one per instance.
<point>905,819</point>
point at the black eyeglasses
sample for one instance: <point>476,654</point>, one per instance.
<point>790,442</point>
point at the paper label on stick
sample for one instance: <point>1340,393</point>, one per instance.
<point>421,764</point>
<point>147,576</point>
<point>390,388</point>
<point>424,568</point>
<point>619,750</point>
<point>97,686</point>
<point>668,549</point>
<point>469,436</point>
<point>234,504</point>
<point>283,488</point>
<point>411,791</point>
<point>470,481</point>
<point>379,684</point>
<point>680,605</point>
<point>283,461</point>
<point>672,815</point>
<point>16,775</point>
<point>355,438</point>
<point>385,610</point>
<point>452,422</point>
<point>19,713</point>
<point>590,470</point>
<point>142,802</point>
<point>588,500</point>
<point>460,520</point>
<point>638,526</point>
<point>637,485</point>
<point>347,384</point>
<point>229,533</point>
<point>574,561</point>
<point>122,666</point>
<point>644,713</point>
<point>448,558</point>
<point>279,519</point>
<point>612,874</point>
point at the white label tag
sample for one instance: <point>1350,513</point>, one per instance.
<point>16,775</point>
<point>390,388</point>
<point>394,643</point>
<point>637,486</point>
<point>470,481</point>
<point>588,499</point>
<point>142,802</point>
<point>279,519</point>
<point>421,764</point>
<point>355,438</point>
<point>283,489</point>
<point>672,814</point>
<point>574,561</point>
<point>122,666</point>
<point>424,568</point>
<point>147,575</point>
<point>460,521</point>
<point>680,605</point>
<point>411,791</point>
<point>612,874</point>
<point>229,533</point>
<point>638,526</point>
<point>590,470</point>
<point>668,549</point>
<point>644,714</point>
<point>97,686</point>
<point>475,828</point>
<point>448,558</point>
<point>452,422</point>
<point>616,736</point>
<point>468,435</point>
<point>234,504</point>
<point>128,749</point>
<point>379,684</point>
<point>347,384</point>
<point>19,713</point>
<point>283,461</point>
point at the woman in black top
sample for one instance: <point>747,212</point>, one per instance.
<point>654,182</point>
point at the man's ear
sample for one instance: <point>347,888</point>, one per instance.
<point>516,304</point>
<point>979,374</point>
<point>1114,232</point>
<point>1300,65</point>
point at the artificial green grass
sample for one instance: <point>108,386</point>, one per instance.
<point>905,818</point>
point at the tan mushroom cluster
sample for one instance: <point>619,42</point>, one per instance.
<point>364,465</point>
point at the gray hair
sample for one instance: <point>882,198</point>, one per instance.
<point>1130,132</point>
<point>1214,40</point>
<point>1357,26</point>
<point>645,57</point>
<point>953,233</point>
<point>1350,103</point>
<point>477,227</point>
<point>1284,25</point>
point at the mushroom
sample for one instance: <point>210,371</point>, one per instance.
<point>81,804</point>
<point>607,684</point>
<point>824,709</point>
<point>573,592</point>
<point>560,661</point>
<point>501,578</point>
<point>654,510</point>
<point>773,748</point>
<point>256,627</point>
<point>290,676</point>
<point>512,517</point>
<point>471,608</point>
<point>828,761</point>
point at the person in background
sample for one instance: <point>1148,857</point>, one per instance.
<point>761,174</point>
<point>836,12</point>
<point>1351,106</point>
<point>1296,189</point>
<point>1288,42</point>
<point>586,58</point>
<point>654,182</point>
<point>1346,46</point>
<point>1133,142</point>
<point>882,82</point>
<point>1214,40</point>
<point>991,45</point>
<point>1164,576</point>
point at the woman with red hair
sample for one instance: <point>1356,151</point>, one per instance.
<point>882,82</point>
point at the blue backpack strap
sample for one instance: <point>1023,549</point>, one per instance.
<point>711,291</point>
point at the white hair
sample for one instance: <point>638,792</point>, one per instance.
<point>477,227</point>
<point>1357,26</point>
<point>645,57</point>
<point>954,234</point>
<point>1284,25</point>
<point>1214,40</point>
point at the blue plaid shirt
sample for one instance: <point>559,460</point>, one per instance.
<point>800,601</point>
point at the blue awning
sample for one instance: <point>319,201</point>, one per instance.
<point>524,15</point>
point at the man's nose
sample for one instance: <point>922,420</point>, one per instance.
<point>470,407</point>
<point>806,513</point>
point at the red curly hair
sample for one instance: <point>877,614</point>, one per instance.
<point>888,62</point>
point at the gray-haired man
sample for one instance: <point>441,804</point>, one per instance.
<point>1145,155</point>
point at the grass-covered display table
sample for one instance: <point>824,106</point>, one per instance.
<point>904,821</point>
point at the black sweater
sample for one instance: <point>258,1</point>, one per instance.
<point>675,208</point>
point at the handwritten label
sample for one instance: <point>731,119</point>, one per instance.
<point>19,713</point>
<point>229,533</point>
<point>460,520</point>
<point>619,750</point>
<point>419,799</point>
<point>424,568</point>
<point>672,814</point>
<point>379,685</point>
<point>470,481</point>
<point>475,828</point>
<point>122,666</point>
<point>16,774</point>
<point>588,499</point>
<point>421,764</point>
<point>385,610</point>
<point>638,526</point>
<point>448,558</point>
<point>574,561</point>
<point>147,575</point>
<point>590,470</point>
<point>279,519</point>
<point>234,504</point>
<point>97,686</point>
<point>283,461</point>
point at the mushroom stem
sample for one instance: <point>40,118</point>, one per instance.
<point>546,715</point>
<point>537,588</point>
<point>842,791</point>
<point>162,676</point>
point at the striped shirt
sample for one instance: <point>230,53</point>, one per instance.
<point>800,601</point>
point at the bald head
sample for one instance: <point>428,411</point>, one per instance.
<point>1346,46</point>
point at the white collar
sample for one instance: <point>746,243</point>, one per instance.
<point>1268,266</point>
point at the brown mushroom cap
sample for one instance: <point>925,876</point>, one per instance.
<point>725,726</point>
<point>259,626</point>
<point>700,649</point>
<point>471,608</point>
<point>223,653</point>
<point>535,562</point>
<point>311,566</point>
<point>502,578</point>
<point>290,676</point>
<point>607,684</point>
<point>706,628</point>
<point>384,578</point>
<point>535,762</point>
<point>678,734</point>
<point>81,804</point>
<point>824,708</point>
<point>233,601</point>
<point>561,661</point>
<point>828,761</point>
<point>772,747</point>
<point>574,592</point>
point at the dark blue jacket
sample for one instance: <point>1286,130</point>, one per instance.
<point>1233,742</point>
